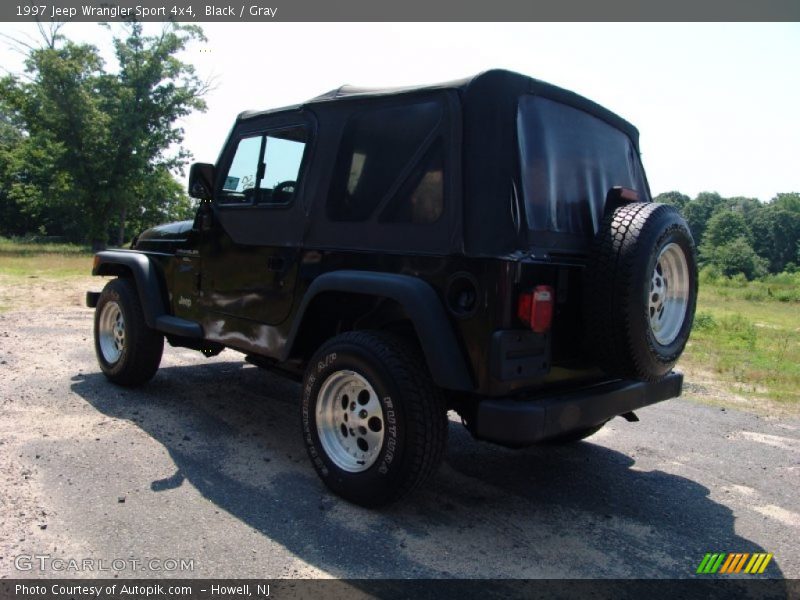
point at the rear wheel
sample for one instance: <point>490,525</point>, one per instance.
<point>640,290</point>
<point>128,351</point>
<point>374,424</point>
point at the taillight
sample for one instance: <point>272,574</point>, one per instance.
<point>535,308</point>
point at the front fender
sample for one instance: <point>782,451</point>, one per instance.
<point>148,285</point>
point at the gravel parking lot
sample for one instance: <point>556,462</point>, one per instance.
<point>206,464</point>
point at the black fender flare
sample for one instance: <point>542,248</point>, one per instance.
<point>108,262</point>
<point>149,288</point>
<point>443,354</point>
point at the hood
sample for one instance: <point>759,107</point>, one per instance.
<point>163,238</point>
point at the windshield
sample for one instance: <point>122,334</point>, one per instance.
<point>569,160</point>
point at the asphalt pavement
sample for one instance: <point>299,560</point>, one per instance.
<point>204,470</point>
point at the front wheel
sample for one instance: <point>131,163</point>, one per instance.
<point>128,351</point>
<point>374,423</point>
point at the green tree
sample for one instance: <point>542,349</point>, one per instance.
<point>163,200</point>
<point>97,142</point>
<point>12,219</point>
<point>727,245</point>
<point>699,210</point>
<point>738,256</point>
<point>724,227</point>
<point>790,201</point>
<point>673,198</point>
<point>743,205</point>
<point>31,186</point>
<point>776,231</point>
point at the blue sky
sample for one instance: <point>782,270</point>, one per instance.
<point>717,105</point>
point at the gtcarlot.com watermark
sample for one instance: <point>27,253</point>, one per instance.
<point>46,563</point>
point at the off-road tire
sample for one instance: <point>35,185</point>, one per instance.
<point>413,411</point>
<point>617,290</point>
<point>141,351</point>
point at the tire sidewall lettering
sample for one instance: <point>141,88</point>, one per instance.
<point>390,436</point>
<point>325,362</point>
<point>308,437</point>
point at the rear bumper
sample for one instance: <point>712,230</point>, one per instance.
<point>521,422</point>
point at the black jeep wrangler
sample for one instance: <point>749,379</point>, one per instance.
<point>487,246</point>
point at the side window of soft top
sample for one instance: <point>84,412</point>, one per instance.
<point>390,166</point>
<point>265,168</point>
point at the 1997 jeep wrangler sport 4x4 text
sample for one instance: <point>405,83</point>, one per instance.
<point>487,246</point>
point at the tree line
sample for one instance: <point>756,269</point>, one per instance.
<point>88,150</point>
<point>742,235</point>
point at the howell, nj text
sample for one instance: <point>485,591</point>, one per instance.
<point>245,589</point>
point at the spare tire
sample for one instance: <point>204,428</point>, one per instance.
<point>640,290</point>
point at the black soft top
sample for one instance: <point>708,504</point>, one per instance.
<point>484,222</point>
<point>493,85</point>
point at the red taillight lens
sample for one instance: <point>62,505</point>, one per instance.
<point>535,308</point>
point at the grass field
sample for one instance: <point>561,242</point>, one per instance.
<point>25,259</point>
<point>39,276</point>
<point>746,336</point>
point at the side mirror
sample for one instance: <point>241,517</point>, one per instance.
<point>201,181</point>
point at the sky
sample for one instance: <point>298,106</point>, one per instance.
<point>717,105</point>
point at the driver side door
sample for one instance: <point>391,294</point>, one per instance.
<point>250,254</point>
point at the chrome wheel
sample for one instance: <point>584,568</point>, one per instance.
<point>669,294</point>
<point>350,421</point>
<point>111,332</point>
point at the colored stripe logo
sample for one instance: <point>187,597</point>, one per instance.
<point>727,563</point>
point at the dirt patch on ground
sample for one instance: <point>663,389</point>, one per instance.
<point>41,292</point>
<point>701,385</point>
